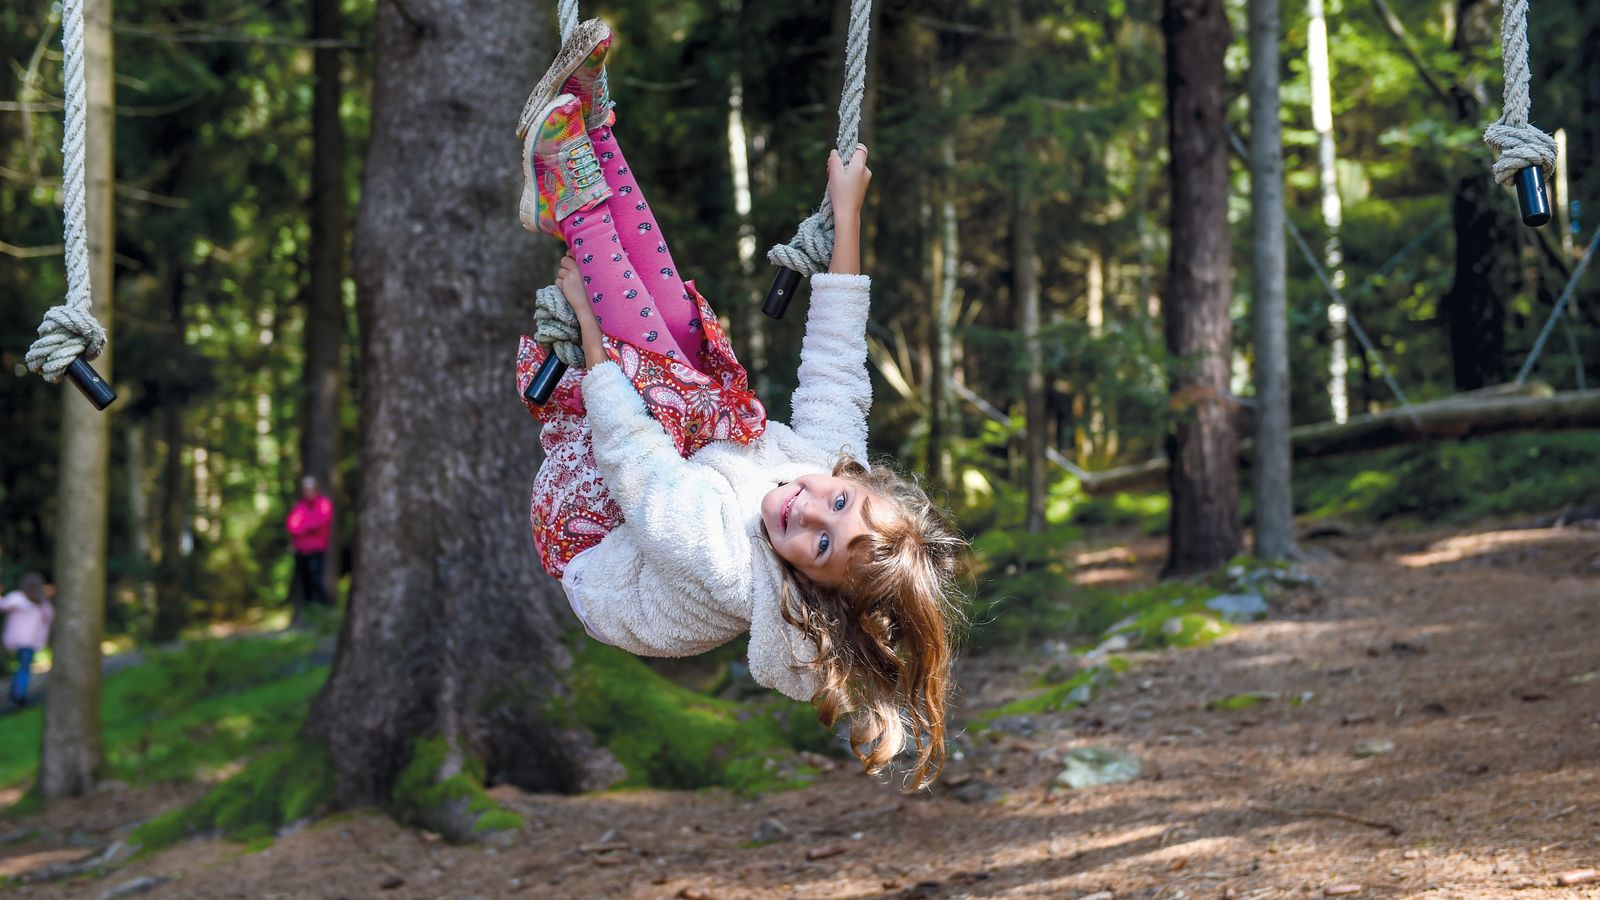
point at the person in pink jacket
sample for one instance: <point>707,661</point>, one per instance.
<point>28,617</point>
<point>309,524</point>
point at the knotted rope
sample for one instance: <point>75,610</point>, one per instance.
<point>555,323</point>
<point>811,248</point>
<point>1520,144</point>
<point>71,330</point>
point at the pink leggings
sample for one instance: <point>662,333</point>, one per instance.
<point>628,270</point>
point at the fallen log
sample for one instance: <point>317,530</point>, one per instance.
<point>1507,408</point>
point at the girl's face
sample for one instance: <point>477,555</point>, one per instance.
<point>811,522</point>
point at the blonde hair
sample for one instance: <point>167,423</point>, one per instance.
<point>885,637</point>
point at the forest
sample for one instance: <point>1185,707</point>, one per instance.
<point>1215,329</point>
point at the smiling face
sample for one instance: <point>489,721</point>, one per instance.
<point>811,522</point>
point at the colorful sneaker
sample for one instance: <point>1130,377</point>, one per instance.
<point>562,174</point>
<point>573,54</point>
<point>589,84</point>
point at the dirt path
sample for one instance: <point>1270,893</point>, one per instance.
<point>1475,654</point>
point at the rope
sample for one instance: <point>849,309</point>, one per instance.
<point>555,323</point>
<point>811,248</point>
<point>1561,305</point>
<point>1520,144</point>
<point>71,331</point>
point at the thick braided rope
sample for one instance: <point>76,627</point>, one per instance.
<point>1520,144</point>
<point>555,324</point>
<point>809,251</point>
<point>71,330</point>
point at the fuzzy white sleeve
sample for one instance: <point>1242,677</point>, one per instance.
<point>623,602</point>
<point>831,403</point>
<point>683,517</point>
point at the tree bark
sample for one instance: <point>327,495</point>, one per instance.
<point>452,629</point>
<point>324,329</point>
<point>1273,492</point>
<point>1204,478</point>
<point>1025,287</point>
<point>1332,210</point>
<point>172,602</point>
<point>1471,308</point>
<point>70,757</point>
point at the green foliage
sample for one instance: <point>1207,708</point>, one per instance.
<point>667,736</point>
<point>284,785</point>
<point>1455,481</point>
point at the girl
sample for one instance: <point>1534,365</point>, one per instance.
<point>675,514</point>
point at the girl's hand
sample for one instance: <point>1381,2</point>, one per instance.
<point>847,182</point>
<point>570,280</point>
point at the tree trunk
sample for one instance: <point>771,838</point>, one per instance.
<point>136,436</point>
<point>1204,478</point>
<point>70,758</point>
<point>172,602</point>
<point>1332,211</point>
<point>943,411</point>
<point>319,437</point>
<point>1273,494</point>
<point>1025,291</point>
<point>452,629</point>
<point>1472,307</point>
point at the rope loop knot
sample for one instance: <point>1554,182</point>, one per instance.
<point>66,333</point>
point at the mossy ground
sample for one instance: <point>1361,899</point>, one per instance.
<point>421,796</point>
<point>284,785</point>
<point>188,713</point>
<point>668,736</point>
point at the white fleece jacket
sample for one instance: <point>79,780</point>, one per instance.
<point>688,569</point>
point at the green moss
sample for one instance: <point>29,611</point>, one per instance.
<point>1076,691</point>
<point>498,820</point>
<point>1241,701</point>
<point>421,796</point>
<point>1192,629</point>
<point>290,783</point>
<point>667,736</point>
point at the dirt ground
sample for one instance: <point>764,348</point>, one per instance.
<point>1475,653</point>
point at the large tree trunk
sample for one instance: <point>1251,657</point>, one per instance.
<point>1274,503</point>
<point>452,629</point>
<point>319,437</point>
<point>70,757</point>
<point>1204,478</point>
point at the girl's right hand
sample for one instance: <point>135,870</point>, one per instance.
<point>570,281</point>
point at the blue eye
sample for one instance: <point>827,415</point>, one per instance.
<point>839,503</point>
<point>822,545</point>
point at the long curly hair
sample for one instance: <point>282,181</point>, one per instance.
<point>885,637</point>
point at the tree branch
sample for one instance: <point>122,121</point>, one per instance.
<point>16,252</point>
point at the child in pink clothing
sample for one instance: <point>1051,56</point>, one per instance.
<point>28,616</point>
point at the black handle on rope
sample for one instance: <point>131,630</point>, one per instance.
<point>545,380</point>
<point>91,384</point>
<point>785,285</point>
<point>1532,199</point>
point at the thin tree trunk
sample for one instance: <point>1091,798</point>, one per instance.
<point>171,595</point>
<point>324,332</point>
<point>452,629</point>
<point>750,318</point>
<point>137,438</point>
<point>1273,493</point>
<point>70,758</point>
<point>1025,291</point>
<point>1332,211</point>
<point>945,314</point>
<point>1204,478</point>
